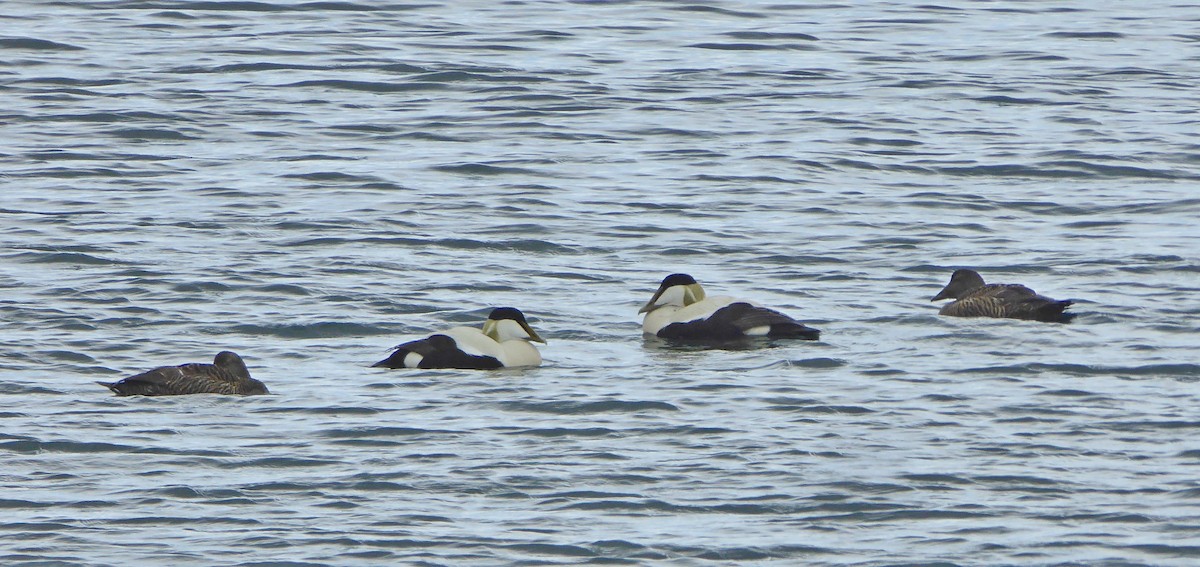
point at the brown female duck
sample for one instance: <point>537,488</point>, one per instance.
<point>1010,301</point>
<point>226,375</point>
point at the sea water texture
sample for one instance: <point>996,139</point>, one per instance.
<point>311,183</point>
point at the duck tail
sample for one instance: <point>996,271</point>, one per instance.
<point>1054,311</point>
<point>395,360</point>
<point>794,331</point>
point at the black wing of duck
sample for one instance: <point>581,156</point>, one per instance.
<point>437,351</point>
<point>739,320</point>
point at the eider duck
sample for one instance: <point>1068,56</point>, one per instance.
<point>1009,301</point>
<point>680,311</point>
<point>226,375</point>
<point>504,342</point>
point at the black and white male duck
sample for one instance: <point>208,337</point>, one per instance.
<point>681,311</point>
<point>974,298</point>
<point>226,375</point>
<point>504,342</point>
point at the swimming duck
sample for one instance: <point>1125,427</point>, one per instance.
<point>504,342</point>
<point>680,310</point>
<point>1009,301</point>
<point>226,375</point>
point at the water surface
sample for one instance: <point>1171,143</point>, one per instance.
<point>310,183</point>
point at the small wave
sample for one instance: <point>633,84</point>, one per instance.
<point>1012,170</point>
<point>319,330</point>
<point>1085,35</point>
<point>761,553</point>
<point>68,356</point>
<point>30,43</point>
<point>285,289</point>
<point>31,446</point>
<point>465,76</point>
<point>201,287</point>
<point>715,10</point>
<point>249,6</point>
<point>181,520</point>
<point>583,408</point>
<point>281,462</point>
<point>360,432</point>
<point>760,35</point>
<point>1166,549</point>
<point>337,176</point>
<point>1015,480</point>
<point>23,504</point>
<point>433,136</point>
<point>1063,169</point>
<point>889,142</point>
<point>367,86</point>
<point>151,134</point>
<point>64,258</point>
<point>750,46</point>
<point>1009,100</point>
<point>321,410</point>
<point>574,494</point>
<point>553,549</point>
<point>1068,393</point>
<point>189,492</point>
<point>817,363</point>
<point>483,169</point>
<point>1094,224</point>
<point>626,549</point>
<point>1150,425</point>
<point>823,409</point>
<point>1173,370</point>
<point>631,505</point>
<point>567,432</point>
<point>936,478</point>
<point>73,82</point>
<point>22,389</point>
<point>191,452</point>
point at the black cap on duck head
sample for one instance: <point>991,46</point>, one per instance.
<point>691,292</point>
<point>961,281</point>
<point>676,279</point>
<point>507,313</point>
<point>491,327</point>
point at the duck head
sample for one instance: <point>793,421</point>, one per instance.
<point>961,281</point>
<point>679,290</point>
<point>508,323</point>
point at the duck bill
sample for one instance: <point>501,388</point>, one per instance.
<point>533,336</point>
<point>650,305</point>
<point>692,293</point>
<point>944,294</point>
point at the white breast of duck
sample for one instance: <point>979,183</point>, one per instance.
<point>667,314</point>
<point>509,340</point>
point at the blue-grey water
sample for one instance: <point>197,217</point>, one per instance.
<point>310,183</point>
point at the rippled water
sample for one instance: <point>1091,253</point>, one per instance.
<point>310,183</point>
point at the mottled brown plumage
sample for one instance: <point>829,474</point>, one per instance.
<point>227,375</point>
<point>1009,301</point>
